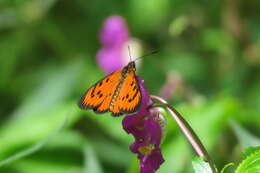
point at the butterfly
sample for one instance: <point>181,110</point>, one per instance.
<point>118,93</point>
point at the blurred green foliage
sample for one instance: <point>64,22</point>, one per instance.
<point>47,60</point>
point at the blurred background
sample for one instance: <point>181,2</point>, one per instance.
<point>207,68</point>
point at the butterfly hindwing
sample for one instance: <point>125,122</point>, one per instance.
<point>129,97</point>
<point>98,96</point>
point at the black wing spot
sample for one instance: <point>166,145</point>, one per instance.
<point>107,80</point>
<point>134,88</point>
<point>135,95</point>
<point>101,95</point>
<point>127,95</point>
<point>98,92</point>
<point>100,83</point>
<point>130,100</point>
<point>132,83</point>
<point>123,98</point>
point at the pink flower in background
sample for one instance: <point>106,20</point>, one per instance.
<point>109,59</point>
<point>172,84</point>
<point>115,39</point>
<point>114,32</point>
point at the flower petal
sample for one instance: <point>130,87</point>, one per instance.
<point>114,31</point>
<point>152,163</point>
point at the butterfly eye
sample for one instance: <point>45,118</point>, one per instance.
<point>132,65</point>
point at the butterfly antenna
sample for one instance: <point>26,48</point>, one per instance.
<point>153,52</point>
<point>129,52</point>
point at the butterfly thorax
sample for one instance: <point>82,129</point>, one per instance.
<point>127,69</point>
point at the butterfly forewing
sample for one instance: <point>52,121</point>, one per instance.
<point>118,93</point>
<point>98,97</point>
<point>129,97</point>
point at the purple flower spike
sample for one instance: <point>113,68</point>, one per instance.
<point>146,129</point>
<point>114,31</point>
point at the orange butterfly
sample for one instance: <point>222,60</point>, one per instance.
<point>118,93</point>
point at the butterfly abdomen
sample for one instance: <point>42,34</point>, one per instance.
<point>124,73</point>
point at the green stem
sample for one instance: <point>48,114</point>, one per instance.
<point>187,131</point>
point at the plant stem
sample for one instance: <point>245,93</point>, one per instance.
<point>187,131</point>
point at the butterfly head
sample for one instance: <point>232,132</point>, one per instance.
<point>131,65</point>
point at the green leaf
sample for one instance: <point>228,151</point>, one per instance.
<point>50,92</point>
<point>112,126</point>
<point>152,16</point>
<point>64,153</point>
<point>244,137</point>
<point>217,112</point>
<point>41,111</point>
<point>91,162</point>
<point>42,7</point>
<point>26,132</point>
<point>134,165</point>
<point>51,165</point>
<point>114,152</point>
<point>175,152</point>
<point>248,151</point>
<point>188,65</point>
<point>33,148</point>
<point>200,166</point>
<point>226,166</point>
<point>251,164</point>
